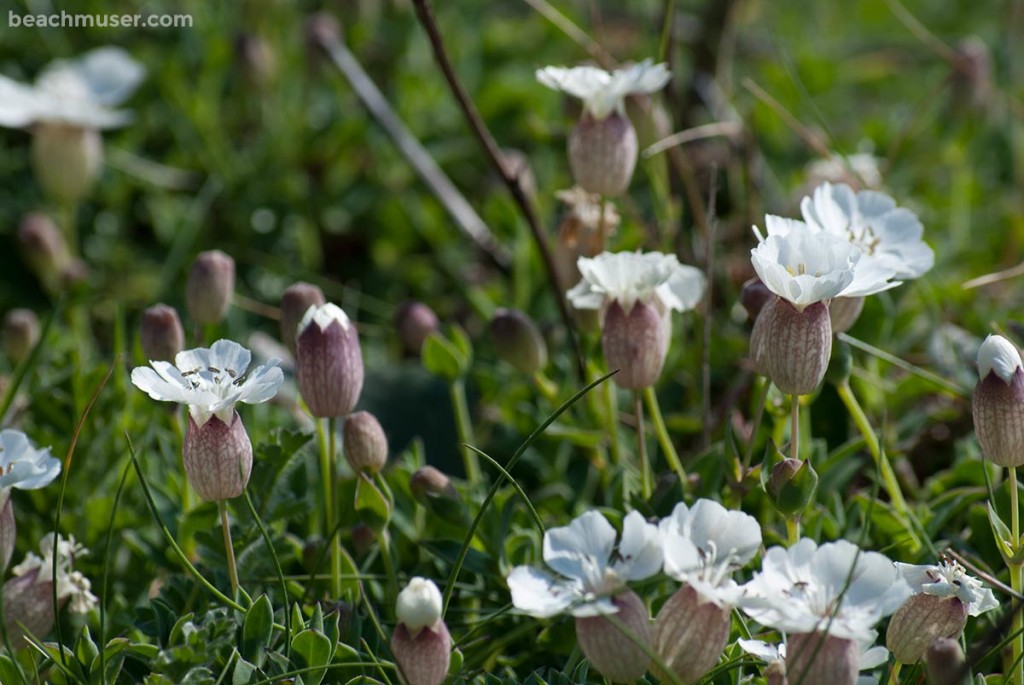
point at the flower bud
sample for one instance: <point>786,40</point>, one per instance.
<point>792,485</point>
<point>217,458</point>
<point>920,621</point>
<point>366,445</point>
<point>295,302</point>
<point>610,651</point>
<point>795,346</point>
<point>972,87</point>
<point>414,321</point>
<point>256,60</point>
<point>998,405</point>
<point>690,634</point>
<point>363,539</point>
<point>518,341</point>
<point>44,248</point>
<point>328,361</point>
<point>8,529</point>
<point>66,160</point>
<point>28,607</point>
<point>843,312</point>
<point>635,342</point>
<point>754,296</point>
<point>602,153</point>
<point>822,658</point>
<point>758,358</point>
<point>421,643</point>
<point>210,286</point>
<point>20,333</point>
<point>431,482</point>
<point>944,661</point>
<point>161,334</point>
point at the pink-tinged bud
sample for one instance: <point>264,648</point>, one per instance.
<point>775,674</point>
<point>20,333</point>
<point>998,404</point>
<point>28,607</point>
<point>518,341</point>
<point>295,302</point>
<point>843,312</point>
<point>218,458</point>
<point>822,658</point>
<point>328,361</point>
<point>66,160</point>
<point>44,248</point>
<point>972,75</point>
<point>210,286</point>
<point>754,296</point>
<point>161,334</point>
<point>944,661</point>
<point>636,343</point>
<point>414,322</point>
<point>431,482</point>
<point>920,621</point>
<point>602,153</point>
<point>256,60</point>
<point>421,643</point>
<point>366,445</point>
<point>363,539</point>
<point>795,345</point>
<point>690,634</point>
<point>610,651</point>
<point>8,529</point>
<point>757,336</point>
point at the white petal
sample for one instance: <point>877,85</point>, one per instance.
<point>228,355</point>
<point>999,355</point>
<point>872,658</point>
<point>639,550</point>
<point>540,595</point>
<point>160,383</point>
<point>262,384</point>
<point>110,73</point>
<point>760,650</point>
<point>684,289</point>
<point>581,549</point>
<point>18,103</point>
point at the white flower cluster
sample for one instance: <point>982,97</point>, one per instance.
<point>72,586</point>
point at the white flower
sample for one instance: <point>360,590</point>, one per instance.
<point>79,93</point>
<point>871,657</point>
<point>705,543</point>
<point>419,604</point>
<point>210,380</point>
<point>835,588</point>
<point>949,579</point>
<point>603,92</point>
<point>592,570</point>
<point>885,233</point>
<point>71,585</point>
<point>1000,355</point>
<point>22,466</point>
<point>631,277</point>
<point>323,316</point>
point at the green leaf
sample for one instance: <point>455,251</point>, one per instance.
<point>1001,533</point>
<point>312,649</point>
<point>455,665</point>
<point>243,672</point>
<point>9,672</point>
<point>372,506</point>
<point>443,358</point>
<point>257,630</point>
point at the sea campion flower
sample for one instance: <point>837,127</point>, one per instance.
<point>28,596</point>
<point>217,452</point>
<point>702,546</point>
<point>24,467</point>
<point>518,341</point>
<point>998,404</point>
<point>160,333</point>
<point>828,599</point>
<point>328,361</point>
<point>634,293</point>
<point>944,596</point>
<point>774,656</point>
<point>592,582</point>
<point>69,104</point>
<point>210,287</point>
<point>421,643</point>
<point>366,444</point>
<point>295,302</point>
<point>603,145</point>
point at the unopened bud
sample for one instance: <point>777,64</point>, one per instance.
<point>414,321</point>
<point>328,361</point>
<point>795,346</point>
<point>44,248</point>
<point>610,651</point>
<point>944,661</point>
<point>20,333</point>
<point>821,658</point>
<point>972,75</point>
<point>255,59</point>
<point>217,458</point>
<point>421,643</point>
<point>210,286</point>
<point>28,607</point>
<point>431,482</point>
<point>635,342</point>
<point>161,334</point>
<point>754,296</point>
<point>295,302</point>
<point>363,539</point>
<point>920,621</point>
<point>66,160</point>
<point>792,485</point>
<point>8,529</point>
<point>366,445</point>
<point>602,153</point>
<point>843,312</point>
<point>690,635</point>
<point>518,341</point>
<point>998,404</point>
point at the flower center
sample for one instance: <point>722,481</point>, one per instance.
<point>863,236</point>
<point>219,381</point>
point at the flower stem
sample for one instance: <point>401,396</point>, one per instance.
<point>389,565</point>
<point>332,442</point>
<point>894,674</point>
<point>612,422</point>
<point>794,430</point>
<point>465,428</point>
<point>1016,582</point>
<point>641,445</point>
<point>792,529</point>
<point>671,456</point>
<point>229,549</point>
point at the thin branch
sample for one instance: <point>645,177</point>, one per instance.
<point>511,179</point>
<point>709,275</point>
<point>729,129</point>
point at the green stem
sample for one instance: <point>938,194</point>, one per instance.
<point>792,529</point>
<point>894,674</point>
<point>762,398</point>
<point>332,460</point>
<point>860,419</point>
<point>612,423</point>
<point>1016,582</point>
<point>389,565</point>
<point>465,428</point>
<point>229,550</point>
<point>325,475</point>
<point>794,430</point>
<point>641,446</point>
<point>671,456</point>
